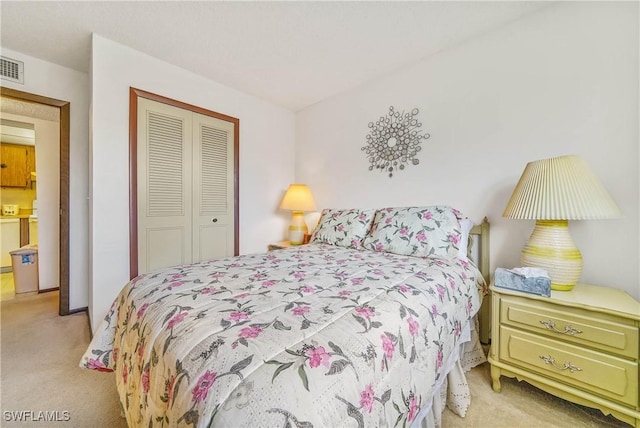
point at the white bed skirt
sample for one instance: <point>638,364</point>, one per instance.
<point>453,390</point>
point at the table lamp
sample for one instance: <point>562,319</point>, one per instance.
<point>298,199</point>
<point>552,192</point>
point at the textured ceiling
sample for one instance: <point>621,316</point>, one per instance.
<point>293,54</point>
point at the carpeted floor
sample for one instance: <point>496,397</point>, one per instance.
<point>7,287</point>
<point>522,405</point>
<point>40,352</point>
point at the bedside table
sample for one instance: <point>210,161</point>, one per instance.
<point>580,345</point>
<point>280,245</point>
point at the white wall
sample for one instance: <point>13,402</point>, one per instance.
<point>266,158</point>
<point>53,81</point>
<point>561,81</point>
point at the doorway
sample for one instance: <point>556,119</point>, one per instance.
<point>64,107</point>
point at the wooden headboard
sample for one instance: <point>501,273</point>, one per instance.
<point>479,253</point>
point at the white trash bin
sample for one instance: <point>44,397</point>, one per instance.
<point>24,262</point>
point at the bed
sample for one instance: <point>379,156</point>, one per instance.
<point>373,323</point>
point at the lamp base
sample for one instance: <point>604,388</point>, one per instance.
<point>551,248</point>
<point>298,228</point>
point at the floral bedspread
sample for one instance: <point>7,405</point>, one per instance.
<point>312,336</point>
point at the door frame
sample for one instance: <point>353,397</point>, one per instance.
<point>134,94</point>
<point>65,126</point>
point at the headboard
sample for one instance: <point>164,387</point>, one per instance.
<point>479,253</point>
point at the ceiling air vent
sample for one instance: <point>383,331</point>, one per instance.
<point>12,70</point>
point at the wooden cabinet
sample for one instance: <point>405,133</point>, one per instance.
<point>31,162</point>
<point>18,161</point>
<point>580,345</point>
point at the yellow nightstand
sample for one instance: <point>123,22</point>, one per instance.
<point>580,345</point>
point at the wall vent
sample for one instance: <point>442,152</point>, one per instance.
<point>12,70</point>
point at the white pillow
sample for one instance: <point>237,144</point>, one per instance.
<point>465,227</point>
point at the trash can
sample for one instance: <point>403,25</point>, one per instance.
<point>24,262</point>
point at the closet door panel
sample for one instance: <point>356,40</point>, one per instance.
<point>164,185</point>
<point>213,242</point>
<point>165,247</point>
<point>213,184</point>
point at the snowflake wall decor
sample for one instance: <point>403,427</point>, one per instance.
<point>394,140</point>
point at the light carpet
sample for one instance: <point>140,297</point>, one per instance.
<point>7,287</point>
<point>40,352</point>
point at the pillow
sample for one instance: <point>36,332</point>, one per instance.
<point>465,227</point>
<point>417,231</point>
<point>344,228</point>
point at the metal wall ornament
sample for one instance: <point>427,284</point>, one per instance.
<point>394,140</point>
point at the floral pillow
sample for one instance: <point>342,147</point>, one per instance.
<point>416,231</point>
<point>344,228</point>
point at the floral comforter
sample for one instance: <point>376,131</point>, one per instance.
<point>312,336</point>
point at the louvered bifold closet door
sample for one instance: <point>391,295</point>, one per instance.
<point>213,198</point>
<point>164,185</point>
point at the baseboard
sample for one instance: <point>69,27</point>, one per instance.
<point>75,311</point>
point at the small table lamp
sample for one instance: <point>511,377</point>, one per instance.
<point>551,192</point>
<point>298,199</point>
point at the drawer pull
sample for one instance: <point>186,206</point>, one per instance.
<point>551,325</point>
<point>548,359</point>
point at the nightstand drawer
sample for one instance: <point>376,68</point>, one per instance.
<point>605,332</point>
<point>595,372</point>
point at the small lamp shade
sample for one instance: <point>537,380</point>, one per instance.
<point>553,191</point>
<point>298,199</point>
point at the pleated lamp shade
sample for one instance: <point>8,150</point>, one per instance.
<point>553,191</point>
<point>298,199</point>
<point>562,188</point>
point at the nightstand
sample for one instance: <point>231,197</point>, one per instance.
<point>280,245</point>
<point>580,345</point>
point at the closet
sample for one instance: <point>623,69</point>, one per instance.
<point>185,186</point>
